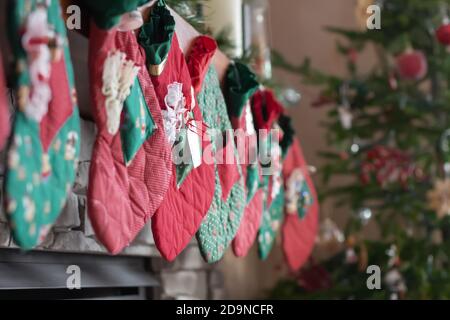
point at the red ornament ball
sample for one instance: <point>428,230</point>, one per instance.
<point>443,34</point>
<point>412,65</point>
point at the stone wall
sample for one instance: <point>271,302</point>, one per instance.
<point>189,277</point>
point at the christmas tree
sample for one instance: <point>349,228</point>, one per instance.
<point>389,135</point>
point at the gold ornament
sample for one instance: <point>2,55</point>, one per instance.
<point>361,14</point>
<point>363,260</point>
<point>350,241</point>
<point>439,198</point>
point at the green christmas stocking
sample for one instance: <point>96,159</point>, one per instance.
<point>268,115</point>
<point>42,156</point>
<point>224,215</point>
<point>273,203</point>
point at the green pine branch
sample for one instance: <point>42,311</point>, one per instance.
<point>410,117</point>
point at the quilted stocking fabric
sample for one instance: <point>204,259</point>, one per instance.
<point>302,209</point>
<point>224,216</point>
<point>4,109</point>
<point>240,85</point>
<point>274,202</point>
<point>131,162</point>
<point>43,153</point>
<point>248,229</point>
<point>192,186</point>
<point>265,110</point>
<point>200,55</point>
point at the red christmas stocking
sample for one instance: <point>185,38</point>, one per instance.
<point>265,110</point>
<point>251,220</point>
<point>4,109</point>
<point>192,185</point>
<point>301,209</point>
<point>131,162</point>
<point>224,215</point>
<point>240,85</point>
<point>198,61</point>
